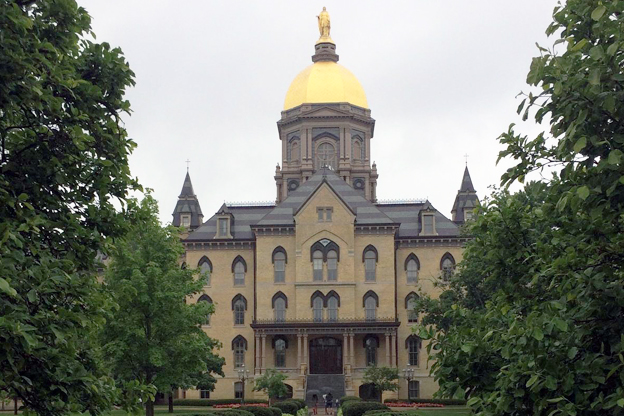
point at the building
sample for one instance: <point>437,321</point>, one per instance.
<point>321,284</point>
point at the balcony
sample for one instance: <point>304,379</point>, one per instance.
<point>362,324</point>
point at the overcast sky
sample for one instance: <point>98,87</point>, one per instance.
<point>441,78</point>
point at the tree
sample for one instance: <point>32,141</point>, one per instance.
<point>383,378</point>
<point>532,323</point>
<point>154,334</point>
<point>272,384</point>
<point>63,165</point>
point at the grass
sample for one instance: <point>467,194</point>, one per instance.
<point>440,411</point>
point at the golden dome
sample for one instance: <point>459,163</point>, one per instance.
<point>325,82</point>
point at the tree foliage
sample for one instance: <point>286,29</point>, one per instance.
<point>154,335</point>
<point>532,324</point>
<point>63,163</point>
<point>383,378</point>
<point>272,384</point>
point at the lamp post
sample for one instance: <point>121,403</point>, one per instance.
<point>408,374</point>
<point>243,374</point>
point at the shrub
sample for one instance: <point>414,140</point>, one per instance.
<point>212,402</point>
<point>300,402</point>
<point>346,399</point>
<point>276,410</point>
<point>288,406</point>
<point>358,408</point>
<point>448,402</point>
<point>258,411</point>
<point>234,412</point>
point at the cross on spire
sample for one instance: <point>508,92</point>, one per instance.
<point>466,157</point>
<point>187,164</point>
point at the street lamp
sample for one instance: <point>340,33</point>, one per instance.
<point>243,374</point>
<point>408,374</point>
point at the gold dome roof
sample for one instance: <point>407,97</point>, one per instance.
<point>325,82</point>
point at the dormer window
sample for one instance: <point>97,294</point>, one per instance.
<point>428,224</point>
<point>185,221</point>
<point>468,215</point>
<point>224,227</point>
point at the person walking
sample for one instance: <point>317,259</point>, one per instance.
<point>329,402</point>
<point>315,400</point>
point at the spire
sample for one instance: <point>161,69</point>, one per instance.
<point>466,185</point>
<point>187,187</point>
<point>187,212</point>
<point>466,200</point>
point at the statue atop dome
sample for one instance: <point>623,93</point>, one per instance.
<point>324,27</point>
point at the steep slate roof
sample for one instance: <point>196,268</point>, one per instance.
<point>244,218</point>
<point>466,198</point>
<point>187,204</point>
<point>408,215</point>
<point>365,212</point>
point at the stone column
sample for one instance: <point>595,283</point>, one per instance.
<point>305,350</point>
<point>299,351</point>
<point>393,350</point>
<point>388,363</point>
<point>345,349</point>
<point>263,366</point>
<point>352,348</point>
<point>258,363</point>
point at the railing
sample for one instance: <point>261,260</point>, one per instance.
<point>251,204</point>
<point>273,321</point>
<point>401,201</point>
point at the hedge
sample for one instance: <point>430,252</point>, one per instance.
<point>258,411</point>
<point>448,402</point>
<point>358,408</point>
<point>287,406</point>
<point>300,402</point>
<point>234,412</point>
<point>212,402</point>
<point>276,410</point>
<point>346,399</point>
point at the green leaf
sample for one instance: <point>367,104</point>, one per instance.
<point>598,12</point>
<point>558,87</point>
<point>560,324</point>
<point>572,352</point>
<point>532,380</point>
<point>557,400</point>
<point>583,192</point>
<point>538,334</point>
<point>579,45</point>
<point>620,402</point>
<point>580,144</point>
<point>6,288</point>
<point>473,401</point>
<point>615,157</point>
<point>594,76</point>
<point>612,49</point>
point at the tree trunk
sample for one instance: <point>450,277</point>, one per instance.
<point>149,408</point>
<point>15,406</point>
<point>170,398</point>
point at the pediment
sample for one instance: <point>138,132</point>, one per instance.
<point>325,112</point>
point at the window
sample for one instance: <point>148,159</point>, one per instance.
<point>223,227</point>
<point>371,301</point>
<point>279,346</point>
<point>204,394</point>
<point>239,268</point>
<point>279,306</point>
<point>324,214</point>
<point>205,270</point>
<point>410,305</point>
<point>413,389</point>
<point>326,156</point>
<point>469,215</point>
<point>412,266</point>
<point>370,345</point>
<point>279,265</point>
<point>317,264</point>
<point>447,265</point>
<point>412,343</point>
<point>205,298</point>
<point>357,150</point>
<point>239,346</point>
<point>294,151</point>
<point>332,309</point>
<point>428,224</point>
<point>186,221</point>
<point>332,265</point>
<point>238,390</point>
<point>317,309</point>
<point>370,263</point>
<point>239,306</point>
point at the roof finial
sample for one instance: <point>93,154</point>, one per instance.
<point>187,165</point>
<point>466,157</point>
<point>324,26</point>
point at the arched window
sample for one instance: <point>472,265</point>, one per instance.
<point>239,306</point>
<point>279,347</point>
<point>280,303</point>
<point>317,266</point>
<point>371,301</point>
<point>371,343</point>
<point>332,265</point>
<point>357,150</point>
<point>370,263</point>
<point>447,265</point>
<point>294,151</point>
<point>239,268</point>
<point>279,265</point>
<point>205,298</point>
<point>412,266</point>
<point>239,346</point>
<point>326,156</point>
<point>413,389</point>
<point>410,305</point>
<point>205,270</point>
<point>412,344</point>
<point>332,309</point>
<point>317,309</point>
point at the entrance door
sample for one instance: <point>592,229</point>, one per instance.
<point>325,356</point>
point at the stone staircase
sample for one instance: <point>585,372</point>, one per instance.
<point>321,384</point>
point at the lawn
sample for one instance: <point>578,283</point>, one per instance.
<point>440,411</point>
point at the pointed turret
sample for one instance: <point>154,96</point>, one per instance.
<point>466,200</point>
<point>187,212</point>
